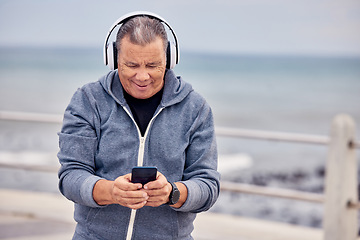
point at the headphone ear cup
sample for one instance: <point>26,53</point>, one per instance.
<point>170,55</point>
<point>112,56</point>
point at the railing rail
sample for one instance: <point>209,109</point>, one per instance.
<point>272,136</point>
<point>28,167</point>
<point>277,136</point>
<point>341,194</point>
<point>272,192</point>
<point>30,117</point>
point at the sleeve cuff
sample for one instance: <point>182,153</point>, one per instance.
<point>86,191</point>
<point>193,200</point>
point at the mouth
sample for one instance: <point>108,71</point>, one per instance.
<point>141,86</point>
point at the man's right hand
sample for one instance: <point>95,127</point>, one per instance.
<point>121,191</point>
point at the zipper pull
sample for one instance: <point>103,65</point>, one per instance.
<point>141,152</point>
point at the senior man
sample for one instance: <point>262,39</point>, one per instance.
<point>140,114</point>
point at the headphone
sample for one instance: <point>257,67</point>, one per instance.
<point>110,51</point>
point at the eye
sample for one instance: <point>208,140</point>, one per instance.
<point>152,65</point>
<point>131,65</point>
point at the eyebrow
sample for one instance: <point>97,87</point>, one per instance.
<point>130,63</point>
<point>154,63</point>
<point>150,63</point>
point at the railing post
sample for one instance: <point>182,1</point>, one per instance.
<point>340,221</point>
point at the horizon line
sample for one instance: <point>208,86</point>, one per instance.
<point>193,51</point>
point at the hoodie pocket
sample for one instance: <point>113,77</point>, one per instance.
<point>160,223</point>
<point>110,222</point>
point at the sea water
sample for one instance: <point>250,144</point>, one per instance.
<point>299,94</point>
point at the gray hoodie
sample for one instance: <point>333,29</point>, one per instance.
<point>100,140</point>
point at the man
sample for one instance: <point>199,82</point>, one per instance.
<point>138,115</point>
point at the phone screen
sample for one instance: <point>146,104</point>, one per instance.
<point>143,175</point>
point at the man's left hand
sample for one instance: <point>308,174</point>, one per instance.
<point>158,191</point>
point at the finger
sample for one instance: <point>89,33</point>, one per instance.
<point>158,192</point>
<point>130,198</point>
<point>160,182</point>
<point>162,199</point>
<point>157,201</point>
<point>138,205</point>
<point>141,195</point>
<point>132,203</point>
<point>124,183</point>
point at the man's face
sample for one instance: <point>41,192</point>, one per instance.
<point>142,68</point>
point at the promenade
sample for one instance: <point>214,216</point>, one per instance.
<point>47,216</point>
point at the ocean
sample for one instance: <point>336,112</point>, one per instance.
<point>299,94</point>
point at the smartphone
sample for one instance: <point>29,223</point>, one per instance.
<point>143,175</point>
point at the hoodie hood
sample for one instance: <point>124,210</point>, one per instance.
<point>175,88</point>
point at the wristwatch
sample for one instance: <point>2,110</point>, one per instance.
<point>174,194</point>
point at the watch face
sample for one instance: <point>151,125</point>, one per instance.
<point>176,196</point>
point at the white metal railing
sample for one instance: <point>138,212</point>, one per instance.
<point>30,117</point>
<point>341,195</point>
<point>340,220</point>
<point>272,192</point>
<point>277,136</point>
<point>28,167</point>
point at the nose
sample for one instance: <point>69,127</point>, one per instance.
<point>142,75</point>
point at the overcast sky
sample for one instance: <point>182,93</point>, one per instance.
<point>316,27</point>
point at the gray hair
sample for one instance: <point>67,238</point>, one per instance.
<point>142,30</point>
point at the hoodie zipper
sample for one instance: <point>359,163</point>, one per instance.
<point>140,162</point>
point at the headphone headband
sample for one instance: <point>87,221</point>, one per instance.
<point>126,17</point>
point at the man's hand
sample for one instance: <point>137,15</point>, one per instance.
<point>158,191</point>
<point>121,191</point>
<point>128,194</point>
